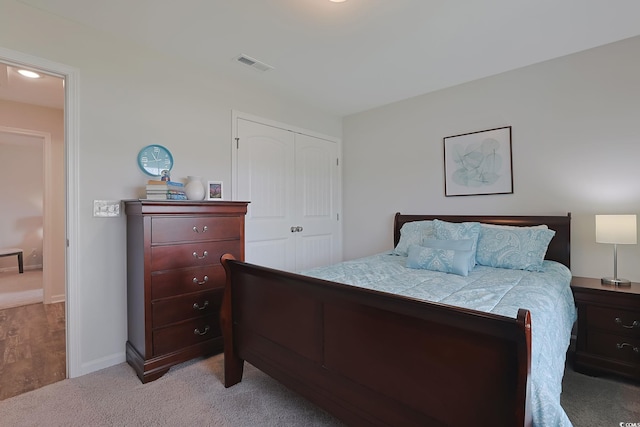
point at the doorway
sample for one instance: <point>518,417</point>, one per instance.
<point>68,226</point>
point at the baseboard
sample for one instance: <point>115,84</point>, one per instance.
<point>26,268</point>
<point>102,363</point>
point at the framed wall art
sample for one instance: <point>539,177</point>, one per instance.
<point>214,190</point>
<point>478,163</point>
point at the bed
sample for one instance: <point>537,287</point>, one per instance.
<point>390,351</point>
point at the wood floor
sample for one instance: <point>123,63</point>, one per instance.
<point>32,347</point>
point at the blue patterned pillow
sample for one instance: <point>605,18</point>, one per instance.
<point>518,248</point>
<point>412,233</point>
<point>459,231</point>
<point>447,256</point>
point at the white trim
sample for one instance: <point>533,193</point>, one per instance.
<point>71,125</point>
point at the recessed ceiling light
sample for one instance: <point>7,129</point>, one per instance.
<point>337,1</point>
<point>30,74</point>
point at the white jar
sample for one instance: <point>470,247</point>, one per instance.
<point>194,189</point>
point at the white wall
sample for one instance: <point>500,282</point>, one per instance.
<point>130,97</point>
<point>576,146</point>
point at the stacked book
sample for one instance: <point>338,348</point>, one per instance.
<point>165,190</point>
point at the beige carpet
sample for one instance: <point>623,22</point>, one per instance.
<point>190,394</point>
<point>20,289</point>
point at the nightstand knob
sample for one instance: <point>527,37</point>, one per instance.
<point>635,324</point>
<point>625,344</point>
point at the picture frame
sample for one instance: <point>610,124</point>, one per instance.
<point>478,163</point>
<point>214,190</point>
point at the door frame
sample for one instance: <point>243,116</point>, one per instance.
<point>71,138</point>
<point>47,220</point>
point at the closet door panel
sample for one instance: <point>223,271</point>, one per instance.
<point>316,202</point>
<point>266,179</point>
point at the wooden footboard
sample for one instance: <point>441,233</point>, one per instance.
<point>372,358</point>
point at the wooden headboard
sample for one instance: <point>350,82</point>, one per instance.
<point>559,249</point>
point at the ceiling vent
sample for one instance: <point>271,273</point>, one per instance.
<point>253,63</point>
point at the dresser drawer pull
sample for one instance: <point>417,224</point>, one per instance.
<point>205,279</point>
<point>196,331</point>
<point>197,307</point>
<point>204,229</point>
<point>204,255</point>
<point>626,344</point>
<point>635,324</point>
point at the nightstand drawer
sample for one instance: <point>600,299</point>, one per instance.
<point>192,229</point>
<point>616,347</point>
<point>616,320</point>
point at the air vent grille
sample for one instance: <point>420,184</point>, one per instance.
<point>253,63</point>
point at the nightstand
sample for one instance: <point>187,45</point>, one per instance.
<point>608,328</point>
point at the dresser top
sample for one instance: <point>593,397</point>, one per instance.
<point>186,207</point>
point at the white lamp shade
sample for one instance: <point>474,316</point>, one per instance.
<point>616,229</point>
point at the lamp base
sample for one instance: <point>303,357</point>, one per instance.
<point>615,281</point>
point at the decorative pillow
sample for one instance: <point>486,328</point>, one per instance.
<point>412,233</point>
<point>518,248</point>
<point>459,231</point>
<point>447,256</point>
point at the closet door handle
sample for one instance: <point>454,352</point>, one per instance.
<point>299,229</point>
<point>296,229</point>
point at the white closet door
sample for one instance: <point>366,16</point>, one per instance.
<point>316,202</point>
<point>265,177</point>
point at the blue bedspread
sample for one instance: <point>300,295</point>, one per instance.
<point>547,295</point>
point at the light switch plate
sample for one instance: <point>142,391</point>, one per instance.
<point>106,208</point>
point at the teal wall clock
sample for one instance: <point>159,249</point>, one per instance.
<point>153,159</point>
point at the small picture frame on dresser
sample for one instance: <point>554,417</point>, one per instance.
<point>214,190</point>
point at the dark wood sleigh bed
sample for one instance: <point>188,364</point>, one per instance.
<point>373,358</point>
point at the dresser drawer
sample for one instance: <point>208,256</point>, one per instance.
<point>621,348</point>
<point>170,283</point>
<point>192,254</point>
<point>196,228</point>
<point>616,320</point>
<point>184,307</point>
<point>181,335</point>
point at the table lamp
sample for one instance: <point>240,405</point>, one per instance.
<point>616,230</point>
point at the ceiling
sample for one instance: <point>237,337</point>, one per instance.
<point>349,57</point>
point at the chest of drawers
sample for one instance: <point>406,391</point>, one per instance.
<point>175,280</point>
<point>608,327</point>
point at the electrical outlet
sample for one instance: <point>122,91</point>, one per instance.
<point>106,208</point>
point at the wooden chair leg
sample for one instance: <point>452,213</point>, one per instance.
<point>20,263</point>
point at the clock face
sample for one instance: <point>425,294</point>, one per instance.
<point>153,159</point>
